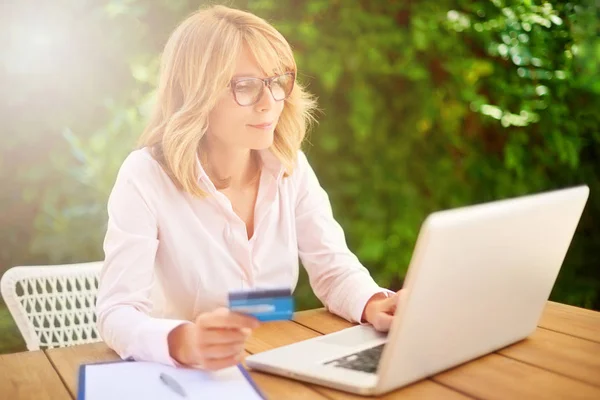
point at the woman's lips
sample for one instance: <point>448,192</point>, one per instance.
<point>263,126</point>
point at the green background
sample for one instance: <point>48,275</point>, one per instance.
<point>425,105</point>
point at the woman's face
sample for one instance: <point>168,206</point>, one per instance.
<point>245,127</point>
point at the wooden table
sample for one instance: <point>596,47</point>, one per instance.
<point>560,360</point>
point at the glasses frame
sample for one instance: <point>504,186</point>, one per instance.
<point>266,82</point>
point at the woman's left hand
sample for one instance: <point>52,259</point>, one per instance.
<point>380,310</point>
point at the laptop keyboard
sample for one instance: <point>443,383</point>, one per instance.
<point>366,360</point>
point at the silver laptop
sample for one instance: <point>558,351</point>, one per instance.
<point>478,280</point>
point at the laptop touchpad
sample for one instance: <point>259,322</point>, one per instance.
<point>353,336</point>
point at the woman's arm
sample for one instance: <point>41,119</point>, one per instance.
<point>337,277</point>
<point>123,304</point>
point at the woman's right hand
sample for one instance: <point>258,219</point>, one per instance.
<point>214,341</point>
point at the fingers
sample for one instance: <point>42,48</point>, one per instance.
<point>220,363</point>
<point>223,318</point>
<point>393,300</point>
<point>219,338</point>
<point>383,322</point>
<point>222,351</point>
<point>223,336</point>
<point>217,356</point>
<point>389,305</point>
<point>384,315</point>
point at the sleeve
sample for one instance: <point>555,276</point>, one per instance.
<point>123,303</point>
<point>336,276</point>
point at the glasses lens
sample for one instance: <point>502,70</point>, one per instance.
<point>247,91</point>
<point>281,87</point>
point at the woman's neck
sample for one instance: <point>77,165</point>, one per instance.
<point>230,168</point>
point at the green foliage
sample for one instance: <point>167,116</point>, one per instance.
<point>441,104</point>
<point>427,105</point>
<point>72,221</point>
<point>12,341</point>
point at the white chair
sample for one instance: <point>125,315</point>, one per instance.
<point>53,306</point>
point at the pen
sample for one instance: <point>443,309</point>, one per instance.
<point>172,384</point>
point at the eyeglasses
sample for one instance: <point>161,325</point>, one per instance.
<point>248,91</point>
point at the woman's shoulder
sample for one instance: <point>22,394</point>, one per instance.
<point>140,162</point>
<point>141,167</point>
<point>302,164</point>
<point>142,174</point>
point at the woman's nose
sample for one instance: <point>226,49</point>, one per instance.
<point>266,100</point>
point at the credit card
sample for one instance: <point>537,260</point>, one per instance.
<point>264,304</point>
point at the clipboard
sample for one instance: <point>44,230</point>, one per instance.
<point>237,381</point>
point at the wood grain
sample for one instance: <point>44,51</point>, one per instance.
<point>29,375</point>
<point>574,321</point>
<point>276,334</point>
<point>564,354</point>
<point>67,360</point>
<point>321,320</point>
<point>498,377</point>
<point>560,360</point>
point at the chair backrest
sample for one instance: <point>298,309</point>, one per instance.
<point>54,305</point>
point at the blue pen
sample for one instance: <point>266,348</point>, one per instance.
<point>172,384</point>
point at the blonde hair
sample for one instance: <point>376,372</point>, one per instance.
<point>198,62</point>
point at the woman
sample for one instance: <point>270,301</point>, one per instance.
<point>219,197</point>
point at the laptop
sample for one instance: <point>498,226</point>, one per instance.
<point>478,281</point>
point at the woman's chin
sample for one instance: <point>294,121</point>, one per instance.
<point>260,143</point>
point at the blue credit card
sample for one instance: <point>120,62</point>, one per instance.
<point>265,305</point>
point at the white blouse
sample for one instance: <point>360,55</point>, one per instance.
<point>170,256</point>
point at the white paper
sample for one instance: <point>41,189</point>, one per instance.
<point>141,380</point>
